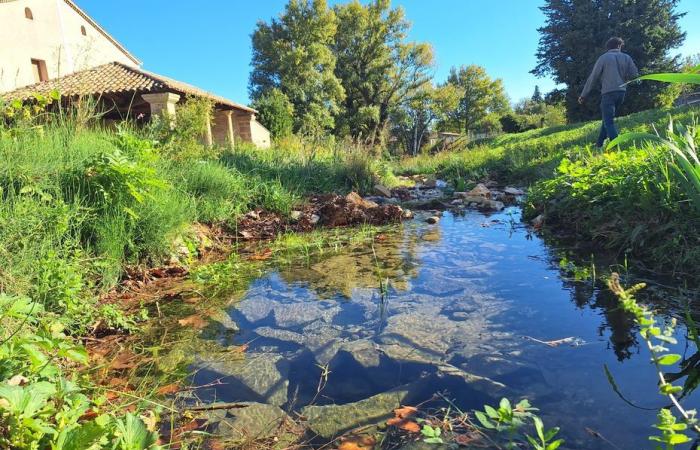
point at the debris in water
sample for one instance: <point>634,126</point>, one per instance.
<point>572,341</point>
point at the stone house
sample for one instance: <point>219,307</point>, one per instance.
<point>57,46</point>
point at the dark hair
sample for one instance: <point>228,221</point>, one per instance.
<point>614,42</point>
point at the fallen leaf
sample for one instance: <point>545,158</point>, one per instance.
<point>410,426</point>
<point>405,411</point>
<point>262,256</point>
<point>117,382</point>
<point>89,415</point>
<point>363,442</point>
<point>217,445</point>
<point>394,421</point>
<point>169,389</point>
<point>124,360</point>
<point>195,321</point>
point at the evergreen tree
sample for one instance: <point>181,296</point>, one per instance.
<point>575,34</point>
<point>537,95</point>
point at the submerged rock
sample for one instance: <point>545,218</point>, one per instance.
<point>263,377</point>
<point>332,420</point>
<point>432,220</point>
<point>253,422</point>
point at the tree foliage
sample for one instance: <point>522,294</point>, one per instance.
<point>292,53</point>
<point>376,66</point>
<point>575,34</point>
<point>275,112</point>
<point>480,96</point>
<point>413,119</point>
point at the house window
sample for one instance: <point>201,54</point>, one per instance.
<point>39,70</point>
<point>28,14</point>
<point>83,31</point>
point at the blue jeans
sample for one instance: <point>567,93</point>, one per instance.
<point>609,104</point>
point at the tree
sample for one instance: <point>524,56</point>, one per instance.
<point>414,117</point>
<point>377,68</point>
<point>479,97</point>
<point>293,54</point>
<point>575,34</point>
<point>275,112</point>
<point>537,95</point>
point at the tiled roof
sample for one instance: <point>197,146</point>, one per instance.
<point>115,78</point>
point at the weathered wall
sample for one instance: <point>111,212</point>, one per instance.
<point>54,35</point>
<point>260,136</point>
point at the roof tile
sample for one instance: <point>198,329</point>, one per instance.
<point>115,78</point>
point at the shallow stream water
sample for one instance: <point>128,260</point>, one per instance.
<point>468,296</point>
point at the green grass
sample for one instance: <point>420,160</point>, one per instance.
<point>630,200</point>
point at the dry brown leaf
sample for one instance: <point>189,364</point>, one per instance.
<point>117,382</point>
<point>88,415</point>
<point>410,426</point>
<point>362,442</point>
<point>216,445</point>
<point>124,360</point>
<point>394,421</point>
<point>195,321</point>
<point>262,256</point>
<point>405,411</point>
<point>169,389</point>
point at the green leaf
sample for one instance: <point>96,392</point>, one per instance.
<point>434,440</point>
<point>629,137</point>
<point>690,78</point>
<point>485,422</point>
<point>554,445</point>
<point>678,439</point>
<point>669,359</point>
<point>492,413</point>
<point>36,357</point>
<point>539,427</point>
<point>80,437</point>
<point>505,404</point>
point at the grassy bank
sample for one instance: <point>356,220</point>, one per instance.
<point>630,200</point>
<point>81,203</point>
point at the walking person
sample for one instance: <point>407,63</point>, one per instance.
<point>612,69</point>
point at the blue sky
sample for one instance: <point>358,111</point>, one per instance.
<point>207,43</point>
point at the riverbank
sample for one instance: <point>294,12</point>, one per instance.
<point>629,202</point>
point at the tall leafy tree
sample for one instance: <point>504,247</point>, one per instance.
<point>480,96</point>
<point>413,119</point>
<point>377,67</point>
<point>575,33</point>
<point>293,54</point>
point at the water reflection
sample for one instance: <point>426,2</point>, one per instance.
<point>440,307</point>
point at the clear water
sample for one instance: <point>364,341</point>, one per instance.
<point>469,292</point>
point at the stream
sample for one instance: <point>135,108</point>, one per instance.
<point>463,306</point>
